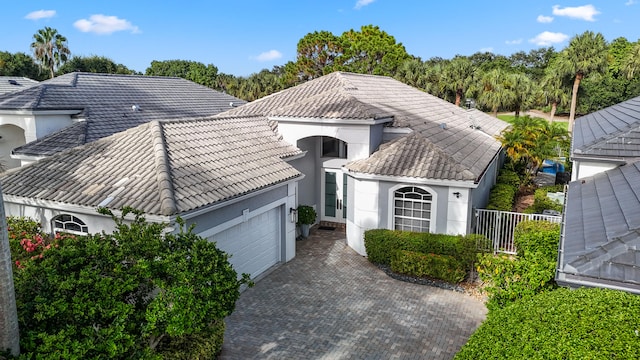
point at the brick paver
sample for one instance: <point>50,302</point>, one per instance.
<point>331,303</point>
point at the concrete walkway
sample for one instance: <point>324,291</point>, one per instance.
<point>331,303</point>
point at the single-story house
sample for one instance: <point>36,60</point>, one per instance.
<point>228,176</point>
<point>601,225</point>
<point>382,154</point>
<point>77,108</point>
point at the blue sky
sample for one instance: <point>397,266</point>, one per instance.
<point>243,37</point>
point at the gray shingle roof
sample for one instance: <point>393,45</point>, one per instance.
<point>610,132</point>
<point>10,84</point>
<point>602,228</point>
<point>163,168</point>
<point>356,96</point>
<point>105,102</point>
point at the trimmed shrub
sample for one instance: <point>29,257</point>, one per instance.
<point>442,267</point>
<point>508,177</point>
<point>502,197</point>
<point>381,245</point>
<point>203,345</point>
<point>560,324</point>
<point>532,271</point>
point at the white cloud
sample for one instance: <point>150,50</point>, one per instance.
<point>487,49</point>
<point>102,24</point>
<point>547,38</point>
<point>584,12</point>
<point>544,19</point>
<point>362,3</point>
<point>513,42</point>
<point>40,14</point>
<point>269,55</point>
<point>631,2</point>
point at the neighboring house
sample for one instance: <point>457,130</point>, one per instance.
<point>228,176</point>
<point>606,139</point>
<point>15,83</point>
<point>381,154</point>
<point>77,108</point>
<point>600,243</point>
<point>601,231</point>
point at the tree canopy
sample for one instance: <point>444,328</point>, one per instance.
<point>190,70</point>
<point>93,64</point>
<point>50,49</point>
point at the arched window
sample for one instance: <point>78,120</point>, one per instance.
<point>69,224</point>
<point>412,207</point>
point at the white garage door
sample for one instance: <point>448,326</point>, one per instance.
<point>254,245</point>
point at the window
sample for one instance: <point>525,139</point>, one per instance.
<point>335,148</point>
<point>412,209</point>
<point>69,224</point>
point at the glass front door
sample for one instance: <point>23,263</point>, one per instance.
<point>334,207</point>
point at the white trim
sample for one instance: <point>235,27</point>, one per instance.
<point>397,130</point>
<point>392,203</point>
<point>26,157</point>
<point>412,180</point>
<point>40,112</point>
<point>332,121</point>
<point>243,218</point>
<point>295,157</point>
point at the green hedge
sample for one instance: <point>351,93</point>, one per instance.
<point>442,267</point>
<point>509,177</point>
<point>561,324</point>
<point>532,271</point>
<point>381,245</point>
<point>203,345</point>
<point>502,197</point>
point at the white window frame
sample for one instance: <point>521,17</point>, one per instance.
<point>74,220</point>
<point>392,205</point>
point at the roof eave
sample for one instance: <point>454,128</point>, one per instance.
<point>471,184</point>
<point>332,121</point>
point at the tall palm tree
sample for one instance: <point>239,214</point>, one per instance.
<point>457,75</point>
<point>554,89</point>
<point>50,49</point>
<point>493,92</point>
<point>8,312</point>
<point>586,53</point>
<point>521,89</point>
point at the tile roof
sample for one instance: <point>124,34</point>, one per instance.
<point>610,132</point>
<point>110,103</point>
<point>602,229</point>
<point>15,83</point>
<point>465,136</point>
<point>161,167</point>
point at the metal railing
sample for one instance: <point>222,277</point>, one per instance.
<point>499,226</point>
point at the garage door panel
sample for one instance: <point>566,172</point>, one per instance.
<point>254,245</point>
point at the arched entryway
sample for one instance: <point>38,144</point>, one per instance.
<point>11,137</point>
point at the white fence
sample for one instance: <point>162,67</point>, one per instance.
<point>500,225</point>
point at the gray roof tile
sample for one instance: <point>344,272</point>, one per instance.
<point>10,84</point>
<point>602,227</point>
<point>467,137</point>
<point>610,132</point>
<point>164,168</point>
<point>105,102</point>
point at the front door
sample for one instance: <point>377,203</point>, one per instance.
<point>334,189</point>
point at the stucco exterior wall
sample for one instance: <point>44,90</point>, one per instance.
<point>586,168</point>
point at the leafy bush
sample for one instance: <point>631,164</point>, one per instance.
<point>306,214</point>
<point>131,294</point>
<point>201,345</point>
<point>541,202</point>
<point>560,324</point>
<point>509,177</point>
<point>442,267</point>
<point>381,245</point>
<point>502,197</point>
<point>532,271</point>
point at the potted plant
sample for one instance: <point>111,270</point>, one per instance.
<point>306,216</point>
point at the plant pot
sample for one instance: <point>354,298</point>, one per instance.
<point>304,228</point>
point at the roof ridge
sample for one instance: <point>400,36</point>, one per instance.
<point>617,135</point>
<point>163,170</point>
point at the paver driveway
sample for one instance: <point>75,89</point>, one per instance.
<point>331,303</point>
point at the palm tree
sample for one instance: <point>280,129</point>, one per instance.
<point>9,338</point>
<point>50,49</point>
<point>457,75</point>
<point>585,54</point>
<point>554,89</point>
<point>493,92</point>
<point>521,89</point>
<point>631,64</point>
